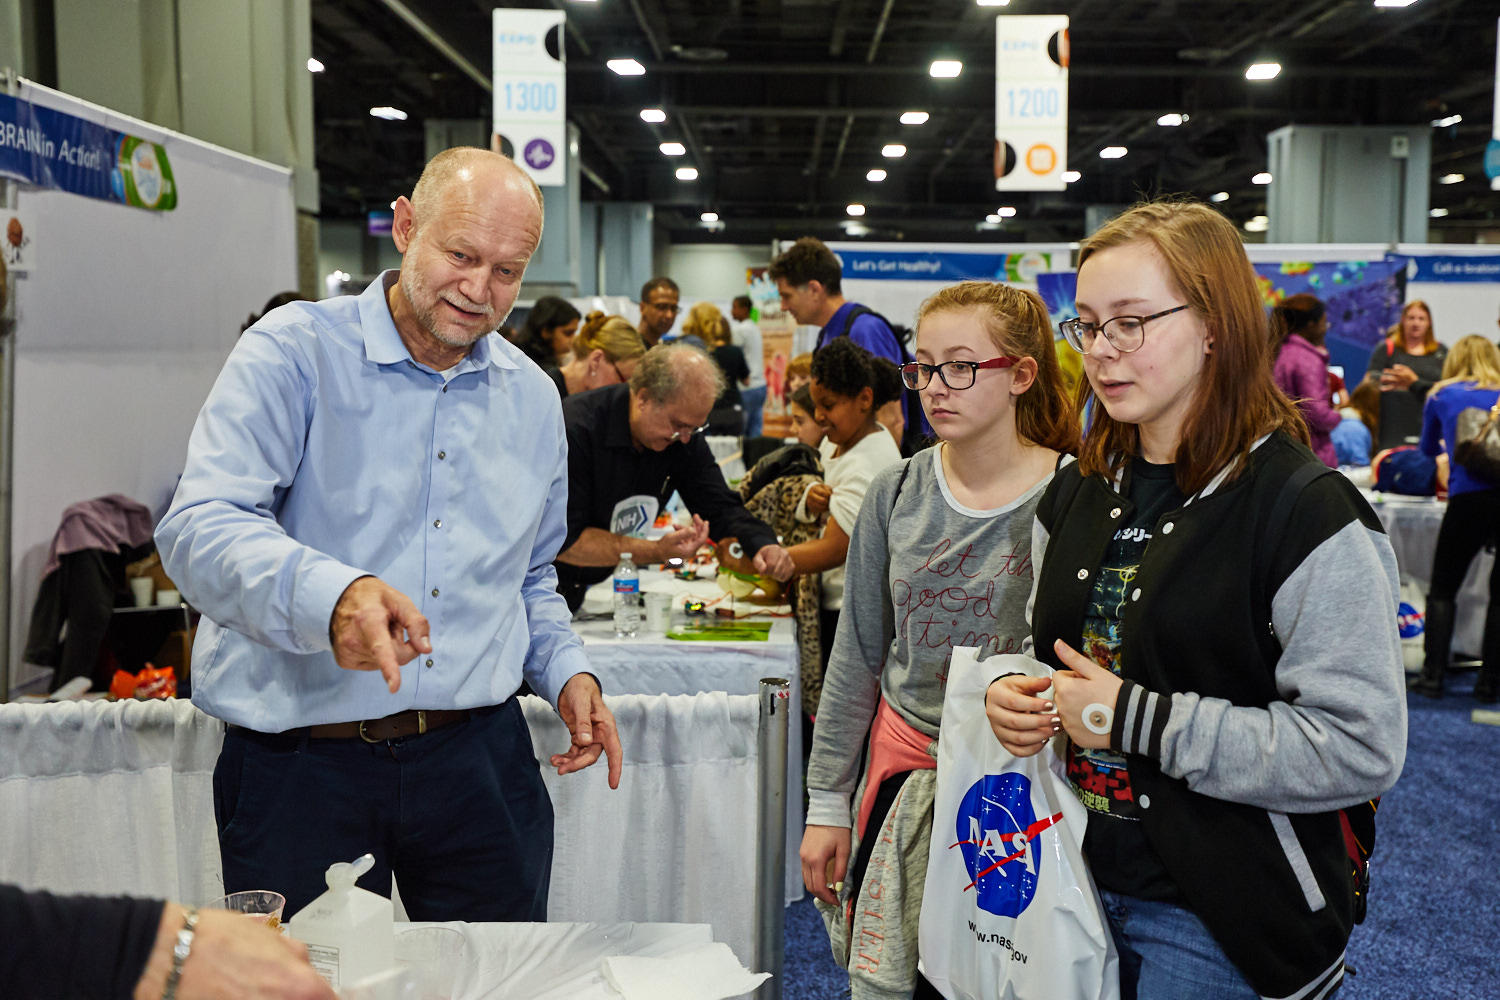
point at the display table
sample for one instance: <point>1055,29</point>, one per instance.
<point>558,961</point>
<point>117,797</point>
<point>654,664</point>
<point>1412,524</point>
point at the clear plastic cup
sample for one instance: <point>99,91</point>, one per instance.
<point>433,955</point>
<point>262,904</point>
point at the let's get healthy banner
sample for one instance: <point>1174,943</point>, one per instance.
<point>51,149</point>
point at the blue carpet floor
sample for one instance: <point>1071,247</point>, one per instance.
<point>1433,928</point>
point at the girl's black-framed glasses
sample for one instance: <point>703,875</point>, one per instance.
<point>955,374</point>
<point>1125,333</point>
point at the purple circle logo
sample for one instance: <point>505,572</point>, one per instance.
<point>539,154</point>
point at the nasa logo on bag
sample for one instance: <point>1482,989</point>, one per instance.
<point>1409,620</point>
<point>997,830</point>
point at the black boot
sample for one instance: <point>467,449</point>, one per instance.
<point>1436,640</point>
<point>1487,688</point>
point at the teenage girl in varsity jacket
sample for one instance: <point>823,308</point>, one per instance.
<point>1223,699</point>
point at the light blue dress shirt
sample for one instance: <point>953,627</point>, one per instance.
<point>325,453</point>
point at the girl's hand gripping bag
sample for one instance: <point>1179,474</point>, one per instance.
<point>1009,911</point>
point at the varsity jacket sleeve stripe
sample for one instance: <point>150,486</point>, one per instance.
<point>1339,737</point>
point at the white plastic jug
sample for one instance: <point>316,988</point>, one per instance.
<point>350,932</point>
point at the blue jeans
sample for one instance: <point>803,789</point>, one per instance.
<point>754,401</point>
<point>460,814</point>
<point>1166,953</point>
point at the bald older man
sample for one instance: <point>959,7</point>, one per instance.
<point>629,448</point>
<point>374,494</point>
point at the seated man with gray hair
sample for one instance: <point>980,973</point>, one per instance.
<point>629,447</point>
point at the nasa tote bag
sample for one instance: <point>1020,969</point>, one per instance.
<point>1009,911</point>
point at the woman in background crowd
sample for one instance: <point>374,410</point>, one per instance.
<point>1471,378</point>
<point>805,426</point>
<point>798,373</point>
<point>1359,422</point>
<point>605,352</point>
<point>1223,608</point>
<point>951,524</point>
<point>705,322</point>
<point>1300,322</point>
<point>1405,365</point>
<point>547,335</point>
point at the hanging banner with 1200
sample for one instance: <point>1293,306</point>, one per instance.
<point>530,78</point>
<point>53,149</point>
<point>1031,102</point>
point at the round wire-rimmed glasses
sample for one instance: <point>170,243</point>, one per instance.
<point>1125,333</point>
<point>955,374</point>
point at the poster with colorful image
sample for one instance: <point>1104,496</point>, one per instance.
<point>1363,299</point>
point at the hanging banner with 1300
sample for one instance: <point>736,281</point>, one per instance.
<point>530,78</point>
<point>1031,102</point>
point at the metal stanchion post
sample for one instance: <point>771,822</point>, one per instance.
<point>770,840</point>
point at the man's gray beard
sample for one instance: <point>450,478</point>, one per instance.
<point>428,318</point>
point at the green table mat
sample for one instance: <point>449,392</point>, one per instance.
<point>737,631</point>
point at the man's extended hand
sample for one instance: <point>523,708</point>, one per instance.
<point>683,543</point>
<point>376,627</point>
<point>775,562</point>
<point>592,727</point>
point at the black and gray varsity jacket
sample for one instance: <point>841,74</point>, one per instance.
<point>1263,691</point>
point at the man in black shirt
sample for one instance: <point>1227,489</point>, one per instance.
<point>629,447</point>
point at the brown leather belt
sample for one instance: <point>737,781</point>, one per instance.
<point>392,727</point>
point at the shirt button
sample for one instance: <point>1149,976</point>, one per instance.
<point>445,388</point>
<point>1137,595</point>
<point>1166,529</point>
<point>442,455</point>
<point>410,365</point>
<point>1115,512</point>
<point>434,591</point>
<point>1145,801</point>
<point>429,662</point>
<point>438,523</point>
<point>1083,574</point>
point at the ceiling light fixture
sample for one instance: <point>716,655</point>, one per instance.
<point>1007,212</point>
<point>626,67</point>
<point>1258,224</point>
<point>1451,179</point>
<point>993,3</point>
<point>1261,178</point>
<point>1438,213</point>
<point>709,216</point>
<point>893,150</point>
<point>876,175</point>
<point>672,148</point>
<point>1069,176</point>
<point>313,66</point>
<point>687,173</point>
<point>389,114</point>
<point>992,219</point>
<point>1445,122</point>
<point>914,118</point>
<point>1171,120</point>
<point>654,116</point>
<point>1394,3</point>
<point>1263,71</point>
<point>945,68</point>
<point>1219,196</point>
<point>855,210</point>
<point>1112,152</point>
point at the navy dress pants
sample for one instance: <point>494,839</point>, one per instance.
<point>459,814</point>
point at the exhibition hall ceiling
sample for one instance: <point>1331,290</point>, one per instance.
<point>784,106</point>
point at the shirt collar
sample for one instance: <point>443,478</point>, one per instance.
<point>384,346</point>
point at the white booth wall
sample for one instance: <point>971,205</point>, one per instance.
<point>123,320</point>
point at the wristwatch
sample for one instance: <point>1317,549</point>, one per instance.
<point>180,952</point>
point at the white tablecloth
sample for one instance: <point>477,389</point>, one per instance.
<point>108,798</point>
<point>654,664</point>
<point>1412,524</point>
<point>558,961</point>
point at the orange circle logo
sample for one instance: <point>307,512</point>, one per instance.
<point>1041,159</point>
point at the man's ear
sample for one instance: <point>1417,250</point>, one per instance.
<point>404,224</point>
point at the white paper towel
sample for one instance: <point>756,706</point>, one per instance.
<point>707,973</point>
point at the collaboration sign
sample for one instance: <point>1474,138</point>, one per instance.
<point>50,149</point>
<point>1031,102</point>
<point>530,79</point>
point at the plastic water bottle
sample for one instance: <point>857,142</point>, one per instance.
<point>627,598</point>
